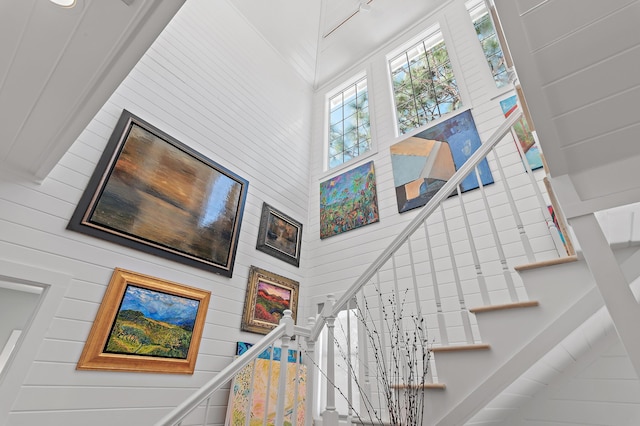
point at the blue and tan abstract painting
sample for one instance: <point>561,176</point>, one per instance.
<point>348,201</point>
<point>423,163</point>
<point>527,142</point>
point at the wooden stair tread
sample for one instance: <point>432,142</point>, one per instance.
<point>515,305</point>
<point>436,386</point>
<point>543,263</point>
<point>459,348</point>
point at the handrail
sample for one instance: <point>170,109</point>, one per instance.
<point>417,221</point>
<point>225,375</point>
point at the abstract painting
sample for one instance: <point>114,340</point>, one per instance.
<point>527,142</point>
<point>146,324</point>
<point>248,394</point>
<point>423,163</point>
<point>155,194</point>
<point>348,201</point>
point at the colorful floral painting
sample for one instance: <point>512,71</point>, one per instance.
<point>423,163</point>
<point>527,142</point>
<point>248,394</point>
<point>348,201</point>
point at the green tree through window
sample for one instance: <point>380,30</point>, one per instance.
<point>349,126</point>
<point>424,85</point>
<point>488,40</point>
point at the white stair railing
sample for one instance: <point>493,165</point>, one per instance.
<point>432,277</point>
<point>421,283</point>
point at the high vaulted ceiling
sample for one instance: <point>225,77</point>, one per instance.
<point>59,65</point>
<point>323,37</point>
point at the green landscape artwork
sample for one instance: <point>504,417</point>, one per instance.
<point>348,201</point>
<point>153,323</point>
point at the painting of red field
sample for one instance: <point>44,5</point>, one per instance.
<point>271,301</point>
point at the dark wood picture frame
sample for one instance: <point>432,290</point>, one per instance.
<point>268,295</point>
<point>279,235</point>
<point>146,324</point>
<point>155,194</point>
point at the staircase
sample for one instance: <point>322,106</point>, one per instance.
<point>451,283</point>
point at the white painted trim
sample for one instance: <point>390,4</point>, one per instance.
<point>8,348</point>
<point>54,285</point>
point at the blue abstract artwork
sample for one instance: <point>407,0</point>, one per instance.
<point>423,163</point>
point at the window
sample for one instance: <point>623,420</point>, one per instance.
<point>349,127</point>
<point>488,40</point>
<point>424,86</point>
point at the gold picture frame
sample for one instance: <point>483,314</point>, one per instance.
<point>268,295</point>
<point>146,324</point>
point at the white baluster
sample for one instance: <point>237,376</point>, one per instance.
<point>330,415</point>
<point>496,238</point>
<point>349,367</point>
<point>442,327</point>
<point>310,360</point>
<point>464,313</point>
<point>514,209</point>
<point>268,392</point>
<point>284,360</point>
<point>482,284</point>
<point>206,411</point>
<point>551,226</point>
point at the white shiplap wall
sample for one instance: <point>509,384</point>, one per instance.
<point>339,260</point>
<point>213,83</point>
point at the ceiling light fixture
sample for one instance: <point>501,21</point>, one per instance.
<point>64,3</point>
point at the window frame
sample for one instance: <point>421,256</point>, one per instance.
<point>438,23</point>
<point>329,94</point>
<point>469,6</point>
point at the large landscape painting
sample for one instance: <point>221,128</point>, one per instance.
<point>153,323</point>
<point>423,163</point>
<point>147,324</point>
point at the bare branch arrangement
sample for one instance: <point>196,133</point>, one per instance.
<point>399,354</point>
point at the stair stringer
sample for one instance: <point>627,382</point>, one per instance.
<point>567,296</point>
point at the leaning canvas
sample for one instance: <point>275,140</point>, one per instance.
<point>248,399</point>
<point>423,163</point>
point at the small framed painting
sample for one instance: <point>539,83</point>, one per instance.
<point>279,235</point>
<point>146,324</point>
<point>153,193</point>
<point>268,295</point>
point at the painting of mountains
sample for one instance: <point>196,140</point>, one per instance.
<point>153,323</point>
<point>268,296</point>
<point>271,301</point>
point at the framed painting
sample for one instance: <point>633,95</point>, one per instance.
<point>523,133</point>
<point>279,235</point>
<point>155,194</point>
<point>252,400</point>
<point>423,163</point>
<point>348,201</point>
<point>268,295</point>
<point>146,324</point>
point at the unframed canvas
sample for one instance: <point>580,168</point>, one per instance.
<point>423,163</point>
<point>348,201</point>
<point>248,394</point>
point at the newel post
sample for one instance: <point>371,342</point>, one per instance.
<point>330,415</point>
<point>284,358</point>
